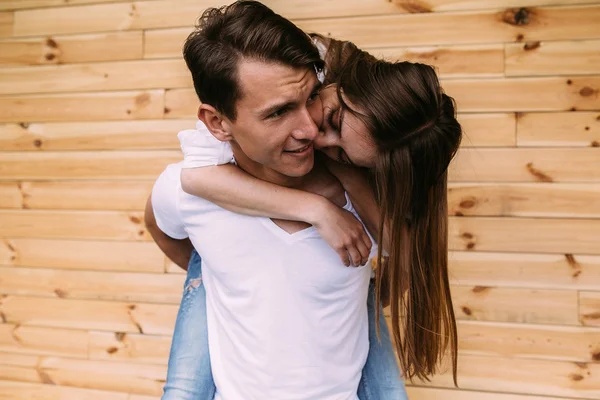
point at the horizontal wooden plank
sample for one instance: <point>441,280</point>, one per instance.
<point>535,306</point>
<point>83,106</point>
<point>83,344</point>
<point>79,254</point>
<point>577,344</point>
<point>572,200</point>
<point>526,165</point>
<point>552,23</point>
<point>24,4</point>
<point>108,135</point>
<point>451,61</point>
<point>6,24</point>
<point>11,390</point>
<point>94,285</point>
<point>515,375</point>
<point>95,225</point>
<point>149,74</point>
<point>525,270</point>
<point>428,393</point>
<point>525,94</point>
<point>553,58</point>
<point>43,341</point>
<point>566,129</point>
<point>118,346</point>
<point>86,165</point>
<point>524,235</point>
<point>103,375</point>
<point>488,130</point>
<point>181,103</point>
<point>589,308</point>
<point>75,195</point>
<point>110,46</point>
<point>113,316</point>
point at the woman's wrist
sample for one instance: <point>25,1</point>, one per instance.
<point>314,209</point>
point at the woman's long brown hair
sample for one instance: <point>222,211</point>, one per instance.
<point>413,123</point>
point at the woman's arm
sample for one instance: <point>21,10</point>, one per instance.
<point>235,190</point>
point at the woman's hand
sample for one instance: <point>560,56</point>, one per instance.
<point>344,233</point>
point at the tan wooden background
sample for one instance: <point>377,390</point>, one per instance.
<point>93,92</point>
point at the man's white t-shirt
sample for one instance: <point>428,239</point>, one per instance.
<point>286,319</point>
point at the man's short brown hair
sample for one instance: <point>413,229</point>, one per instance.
<point>244,29</point>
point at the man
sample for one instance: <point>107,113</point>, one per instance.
<point>286,319</point>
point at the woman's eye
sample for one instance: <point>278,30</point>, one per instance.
<point>313,97</point>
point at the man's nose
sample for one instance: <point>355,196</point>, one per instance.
<point>307,127</point>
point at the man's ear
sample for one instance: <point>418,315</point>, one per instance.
<point>216,123</point>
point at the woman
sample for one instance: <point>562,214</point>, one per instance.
<point>398,129</point>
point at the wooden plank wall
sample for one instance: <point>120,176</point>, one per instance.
<point>92,93</point>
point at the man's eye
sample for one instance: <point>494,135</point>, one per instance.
<point>277,113</point>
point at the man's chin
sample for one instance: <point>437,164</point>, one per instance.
<point>299,169</point>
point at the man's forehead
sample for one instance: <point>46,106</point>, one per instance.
<point>267,78</point>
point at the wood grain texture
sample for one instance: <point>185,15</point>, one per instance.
<point>75,195</point>
<point>95,225</point>
<point>563,129</point>
<point>425,393</point>
<point>544,235</point>
<point>525,94</point>
<point>50,50</point>
<point>93,285</point>
<point>553,58</point>
<point>83,106</point>
<point>87,165</point>
<point>89,255</point>
<point>153,319</point>
<point>514,375</point>
<point>493,26</point>
<point>488,130</point>
<point>589,308</point>
<point>121,75</point>
<point>525,270</point>
<point>526,165</point>
<point>108,135</point>
<point>103,375</point>
<point>6,24</point>
<point>10,390</point>
<point>535,306</point>
<point>557,200</point>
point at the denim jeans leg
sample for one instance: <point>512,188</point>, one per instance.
<point>381,378</point>
<point>189,375</point>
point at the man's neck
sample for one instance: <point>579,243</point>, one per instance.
<point>266,174</point>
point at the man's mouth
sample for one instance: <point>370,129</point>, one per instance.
<point>300,150</point>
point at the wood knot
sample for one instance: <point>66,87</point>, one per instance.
<point>539,175</point>
<point>571,260</point>
<point>587,91</point>
<point>24,125</point>
<point>142,99</point>
<point>413,6</point>
<point>167,110</point>
<point>132,307</point>
<point>481,289</point>
<point>60,293</point>
<point>595,143</point>
<point>37,143</point>
<point>569,82</point>
<point>134,219</point>
<point>467,235</point>
<point>112,350</point>
<point>520,37</point>
<point>468,203</point>
<point>470,246</point>
<point>531,46</point>
<point>576,377</point>
<point>596,355</point>
<point>517,16</point>
<point>467,310</point>
<point>51,43</point>
<point>120,336</point>
<point>50,56</point>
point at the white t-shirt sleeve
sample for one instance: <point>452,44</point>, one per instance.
<point>201,149</point>
<point>165,202</point>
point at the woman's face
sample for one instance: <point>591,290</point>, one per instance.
<point>344,137</point>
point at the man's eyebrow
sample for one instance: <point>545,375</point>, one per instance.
<point>285,104</point>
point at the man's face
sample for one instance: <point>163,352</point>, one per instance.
<point>344,137</point>
<point>278,115</point>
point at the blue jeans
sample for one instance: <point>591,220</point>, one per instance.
<point>189,376</point>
